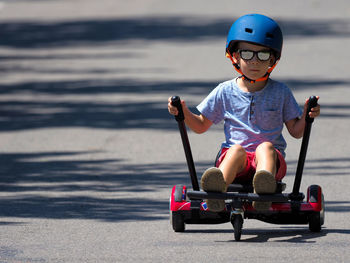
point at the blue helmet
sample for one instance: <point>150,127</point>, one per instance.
<point>257,29</point>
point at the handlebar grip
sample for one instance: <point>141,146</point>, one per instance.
<point>312,103</point>
<point>175,101</point>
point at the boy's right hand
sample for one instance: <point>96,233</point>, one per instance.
<point>197,123</point>
<point>172,109</point>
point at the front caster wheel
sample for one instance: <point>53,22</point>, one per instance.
<point>237,223</point>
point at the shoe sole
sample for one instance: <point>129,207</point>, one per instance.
<point>213,181</point>
<point>264,183</point>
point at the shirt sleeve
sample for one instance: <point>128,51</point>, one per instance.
<point>291,109</point>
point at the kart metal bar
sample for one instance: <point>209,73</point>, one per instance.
<point>295,195</point>
<point>241,196</point>
<point>175,100</point>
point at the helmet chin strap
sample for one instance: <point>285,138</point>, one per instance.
<point>244,77</point>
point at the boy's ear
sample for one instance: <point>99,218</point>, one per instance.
<point>235,57</point>
<point>272,60</point>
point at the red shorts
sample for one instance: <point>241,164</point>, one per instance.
<point>249,171</point>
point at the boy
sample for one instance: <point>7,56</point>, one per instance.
<point>253,108</point>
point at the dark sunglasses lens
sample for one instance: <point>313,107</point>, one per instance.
<point>264,55</point>
<point>246,54</point>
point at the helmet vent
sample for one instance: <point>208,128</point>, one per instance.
<point>248,30</point>
<point>269,35</point>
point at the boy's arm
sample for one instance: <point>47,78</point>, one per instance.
<point>197,123</point>
<point>296,126</point>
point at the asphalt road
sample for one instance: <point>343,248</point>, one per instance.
<point>89,154</point>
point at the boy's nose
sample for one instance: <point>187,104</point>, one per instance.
<point>255,58</point>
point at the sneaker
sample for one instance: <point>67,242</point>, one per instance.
<point>213,181</point>
<point>264,183</point>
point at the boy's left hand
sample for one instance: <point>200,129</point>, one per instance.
<point>315,111</point>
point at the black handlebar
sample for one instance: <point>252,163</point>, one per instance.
<point>296,195</point>
<point>175,101</point>
<point>312,103</point>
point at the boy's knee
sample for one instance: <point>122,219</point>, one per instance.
<point>237,150</point>
<point>266,147</point>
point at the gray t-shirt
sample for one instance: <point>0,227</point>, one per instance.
<point>251,118</point>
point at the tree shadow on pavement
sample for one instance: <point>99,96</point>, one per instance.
<point>323,167</point>
<point>19,114</point>
<point>106,190</point>
<point>62,185</point>
<point>32,34</point>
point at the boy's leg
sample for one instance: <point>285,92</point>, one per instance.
<point>266,158</point>
<point>233,163</point>
<point>217,179</point>
<point>264,181</point>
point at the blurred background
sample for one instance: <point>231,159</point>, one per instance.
<point>84,128</point>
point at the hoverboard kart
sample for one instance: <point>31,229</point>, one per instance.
<point>189,207</point>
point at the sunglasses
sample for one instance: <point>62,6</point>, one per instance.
<point>249,54</point>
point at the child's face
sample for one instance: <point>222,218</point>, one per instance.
<point>253,68</point>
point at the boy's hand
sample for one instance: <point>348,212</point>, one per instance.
<point>314,111</point>
<point>172,109</point>
<point>197,123</point>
